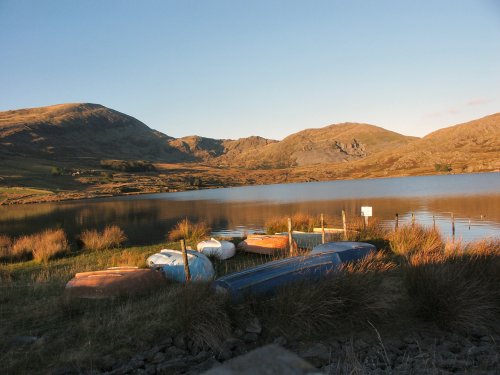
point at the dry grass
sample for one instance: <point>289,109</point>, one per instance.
<point>300,222</point>
<point>346,298</point>
<point>185,229</point>
<point>408,240</point>
<point>456,290</point>
<point>111,236</point>
<point>43,246</point>
<point>5,245</point>
<point>50,244</point>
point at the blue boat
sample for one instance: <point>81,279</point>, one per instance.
<point>347,251</point>
<point>171,263</point>
<point>266,279</point>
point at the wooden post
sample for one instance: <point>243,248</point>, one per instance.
<point>290,238</point>
<point>434,222</point>
<point>453,225</point>
<point>366,222</point>
<point>469,223</point>
<point>412,219</point>
<point>185,259</point>
<point>322,229</point>
<point>396,225</point>
<point>344,225</point>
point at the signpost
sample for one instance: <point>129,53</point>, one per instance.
<point>366,211</point>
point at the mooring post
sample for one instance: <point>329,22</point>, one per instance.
<point>396,225</point>
<point>412,219</point>
<point>469,223</point>
<point>322,229</point>
<point>434,222</point>
<point>290,238</point>
<point>344,225</point>
<point>185,259</point>
<point>453,225</point>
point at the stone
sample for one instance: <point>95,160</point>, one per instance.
<point>269,359</point>
<point>282,341</point>
<point>254,326</point>
<point>158,358</point>
<point>318,355</point>
<point>180,342</point>
<point>238,333</point>
<point>170,366</point>
<point>174,351</point>
<point>250,337</point>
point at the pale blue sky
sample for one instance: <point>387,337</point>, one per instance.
<point>229,69</point>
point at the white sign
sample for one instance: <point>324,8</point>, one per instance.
<point>366,211</point>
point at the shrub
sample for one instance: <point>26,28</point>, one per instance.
<point>111,236</point>
<point>189,231</point>
<point>343,298</point>
<point>42,246</point>
<point>458,291</point>
<point>5,246</point>
<point>408,239</point>
<point>300,222</point>
<point>49,244</point>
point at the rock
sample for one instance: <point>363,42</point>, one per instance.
<point>174,351</point>
<point>232,344</point>
<point>180,342</point>
<point>269,359</point>
<point>318,355</point>
<point>158,358</point>
<point>280,341</point>
<point>238,333</point>
<point>254,326</point>
<point>225,354</point>
<point>250,337</point>
<point>170,366</point>
<point>167,341</point>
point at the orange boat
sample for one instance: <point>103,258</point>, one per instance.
<point>114,282</point>
<point>265,244</point>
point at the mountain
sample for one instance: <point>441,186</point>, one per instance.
<point>331,144</point>
<point>469,147</point>
<point>81,131</point>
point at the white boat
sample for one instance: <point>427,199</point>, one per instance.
<point>220,249</point>
<point>172,265</point>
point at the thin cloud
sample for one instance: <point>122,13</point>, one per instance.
<point>477,101</point>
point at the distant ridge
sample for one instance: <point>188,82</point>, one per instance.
<point>86,133</point>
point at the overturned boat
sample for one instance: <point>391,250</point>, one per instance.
<point>219,249</point>
<point>347,251</point>
<point>264,244</point>
<point>172,264</point>
<point>113,282</point>
<point>267,278</point>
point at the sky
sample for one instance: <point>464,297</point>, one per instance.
<point>233,68</point>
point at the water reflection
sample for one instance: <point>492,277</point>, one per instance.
<point>147,219</point>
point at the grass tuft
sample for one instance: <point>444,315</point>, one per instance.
<point>111,237</point>
<point>300,222</point>
<point>192,232</point>
<point>408,240</point>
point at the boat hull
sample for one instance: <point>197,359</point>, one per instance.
<point>219,249</point>
<point>114,282</point>
<point>264,244</point>
<point>171,263</point>
<point>347,251</point>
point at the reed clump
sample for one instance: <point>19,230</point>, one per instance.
<point>5,246</point>
<point>456,290</point>
<point>185,229</point>
<point>411,239</point>
<point>300,222</point>
<point>111,237</point>
<point>347,297</point>
<point>43,246</point>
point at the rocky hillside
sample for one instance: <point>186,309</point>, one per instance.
<point>469,147</point>
<point>81,131</point>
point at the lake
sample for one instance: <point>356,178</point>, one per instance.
<point>146,219</point>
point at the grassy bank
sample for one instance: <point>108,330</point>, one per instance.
<point>416,279</point>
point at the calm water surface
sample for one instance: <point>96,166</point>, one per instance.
<point>146,219</point>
